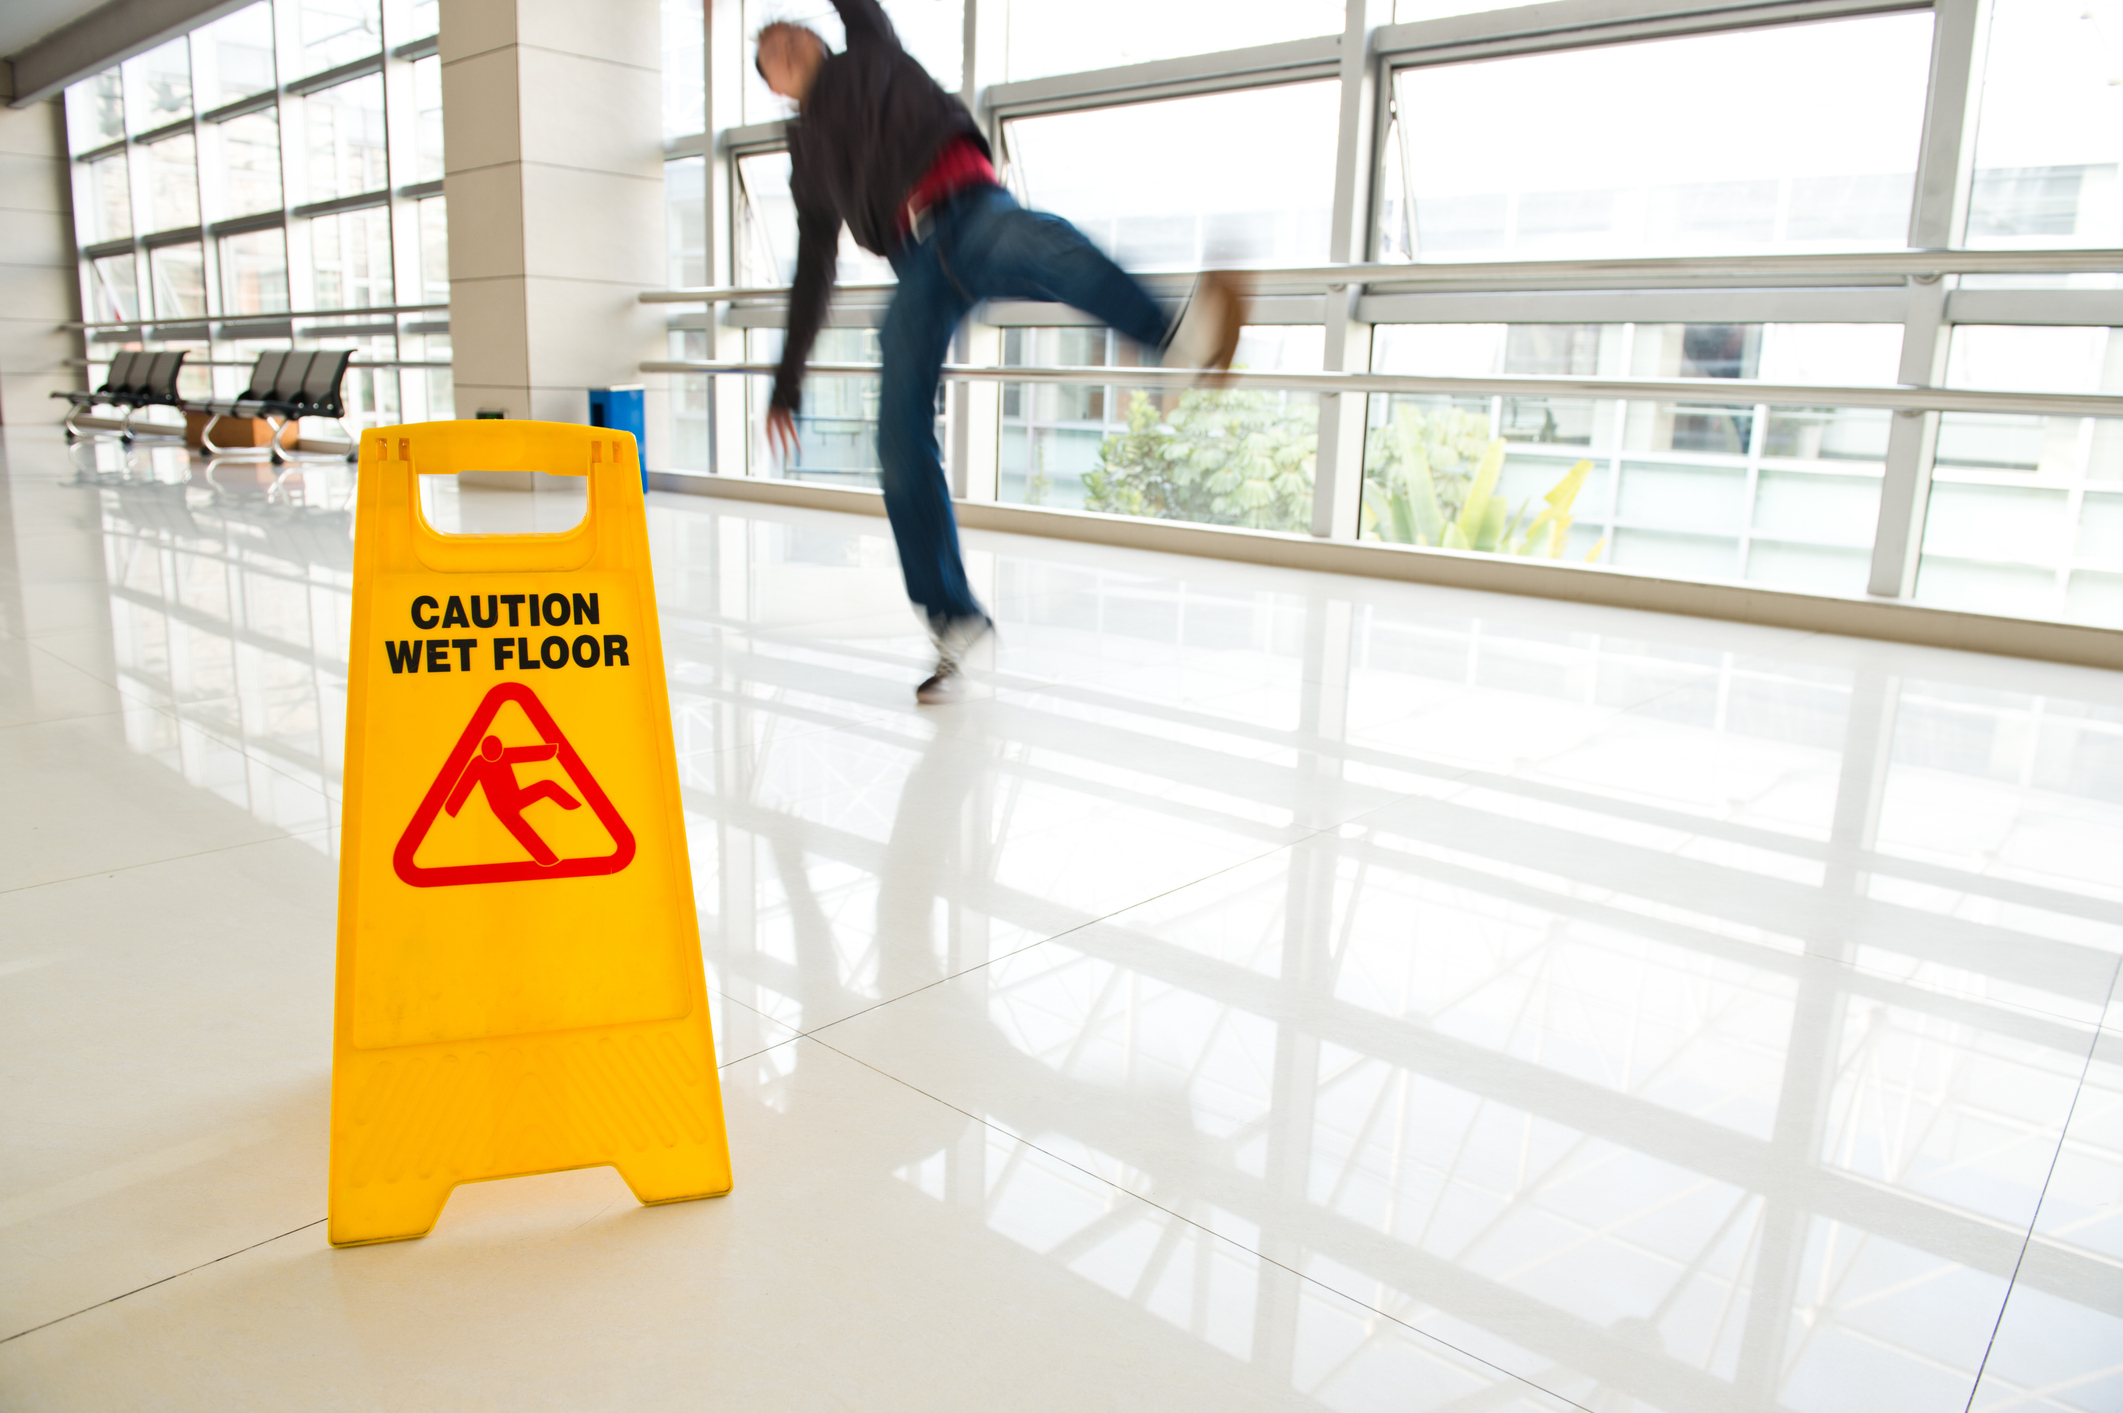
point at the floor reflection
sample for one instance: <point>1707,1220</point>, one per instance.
<point>1385,987</point>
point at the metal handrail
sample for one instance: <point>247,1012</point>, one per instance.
<point>252,363</point>
<point>1721,392</point>
<point>1639,273</point>
<point>258,318</point>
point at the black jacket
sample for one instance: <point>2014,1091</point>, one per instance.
<point>872,124</point>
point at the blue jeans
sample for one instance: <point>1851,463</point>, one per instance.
<point>980,245</point>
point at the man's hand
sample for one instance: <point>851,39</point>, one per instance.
<point>781,434</point>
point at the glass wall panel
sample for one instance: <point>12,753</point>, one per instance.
<point>1046,38</point>
<point>1212,456</point>
<point>172,182</point>
<point>434,251</point>
<point>2024,511</point>
<point>238,356</point>
<point>233,57</point>
<point>692,413</point>
<point>1801,137</point>
<point>335,32</point>
<point>685,194</point>
<point>178,273</point>
<point>249,170</point>
<point>2049,138</point>
<point>157,193</point>
<point>114,286</point>
<point>370,393</point>
<point>424,17</point>
<point>350,257</point>
<point>427,120</point>
<point>838,424</point>
<point>1786,495</point>
<point>1224,179</point>
<point>685,74</point>
<point>158,87</point>
<point>346,143</point>
<point>95,111</point>
<point>766,240</point>
<point>254,273</point>
<point>110,201</point>
<point>933,31</point>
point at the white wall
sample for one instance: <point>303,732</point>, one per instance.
<point>38,288</point>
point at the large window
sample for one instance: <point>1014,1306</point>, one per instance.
<point>1794,138</point>
<point>254,273</point>
<point>2049,139</point>
<point>1224,179</point>
<point>158,88</point>
<point>345,139</point>
<point>1739,490</point>
<point>249,168</point>
<point>172,182</point>
<point>1046,38</point>
<point>351,258</point>
<point>330,33</point>
<point>1216,456</point>
<point>192,216</point>
<point>766,241</point>
<point>2026,513</point>
<point>232,58</point>
<point>932,30</point>
<point>1180,138</point>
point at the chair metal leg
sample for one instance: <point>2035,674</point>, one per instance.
<point>344,430</point>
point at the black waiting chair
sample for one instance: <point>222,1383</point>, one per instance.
<point>253,401</point>
<point>136,380</point>
<point>318,393</point>
<point>156,388</point>
<point>285,387</point>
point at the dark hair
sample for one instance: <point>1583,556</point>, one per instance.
<point>759,40</point>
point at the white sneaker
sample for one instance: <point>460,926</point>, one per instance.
<point>948,683</point>
<point>1206,336</point>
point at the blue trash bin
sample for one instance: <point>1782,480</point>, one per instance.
<point>622,410</point>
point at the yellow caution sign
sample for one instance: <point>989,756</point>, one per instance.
<point>520,986</point>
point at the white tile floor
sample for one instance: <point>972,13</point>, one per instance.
<point>1285,991</point>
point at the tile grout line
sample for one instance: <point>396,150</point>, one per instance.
<point>283,836</point>
<point>1197,1226</point>
<point>720,1065</point>
<point>163,1281</point>
<point>2034,1219</point>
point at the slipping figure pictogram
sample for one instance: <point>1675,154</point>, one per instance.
<point>495,768</point>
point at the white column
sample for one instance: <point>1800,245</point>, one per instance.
<point>38,271</point>
<point>553,168</point>
<point>1338,480</point>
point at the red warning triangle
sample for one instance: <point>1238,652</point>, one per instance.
<point>481,763</point>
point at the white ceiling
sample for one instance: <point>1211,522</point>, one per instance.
<point>24,22</point>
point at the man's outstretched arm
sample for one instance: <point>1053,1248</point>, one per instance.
<point>817,253</point>
<point>866,23</point>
